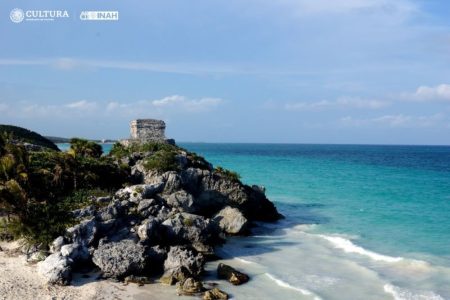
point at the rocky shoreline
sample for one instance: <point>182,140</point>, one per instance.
<point>164,226</point>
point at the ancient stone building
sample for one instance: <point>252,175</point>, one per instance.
<point>147,130</point>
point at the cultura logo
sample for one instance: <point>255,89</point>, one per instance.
<point>17,15</point>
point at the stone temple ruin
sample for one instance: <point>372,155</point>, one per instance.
<point>147,130</point>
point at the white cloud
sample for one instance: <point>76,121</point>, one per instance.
<point>82,105</point>
<point>146,108</point>
<point>342,102</point>
<point>170,100</point>
<point>426,93</point>
<point>398,120</point>
<point>183,103</point>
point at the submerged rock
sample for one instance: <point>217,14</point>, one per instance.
<point>56,269</point>
<point>232,275</point>
<point>119,259</point>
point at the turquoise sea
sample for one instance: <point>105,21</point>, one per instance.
<point>362,222</point>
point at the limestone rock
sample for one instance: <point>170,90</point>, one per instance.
<point>182,201</point>
<point>232,275</point>
<point>119,259</point>
<point>189,287</point>
<point>76,252</point>
<point>56,269</point>
<point>231,220</point>
<point>148,231</point>
<point>182,262</point>
<point>215,294</point>
<point>184,228</point>
<point>83,233</point>
<point>57,244</point>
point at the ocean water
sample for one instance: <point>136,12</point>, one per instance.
<point>362,222</point>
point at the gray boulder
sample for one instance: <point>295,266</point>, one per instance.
<point>85,212</point>
<point>57,244</point>
<point>76,252</point>
<point>56,269</point>
<point>185,228</point>
<point>148,231</point>
<point>83,233</point>
<point>173,182</point>
<point>231,220</point>
<point>182,257</point>
<point>181,200</point>
<point>138,192</point>
<point>119,259</point>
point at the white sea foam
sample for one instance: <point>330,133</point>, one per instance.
<point>349,247</point>
<point>283,284</point>
<point>404,294</point>
<point>244,260</point>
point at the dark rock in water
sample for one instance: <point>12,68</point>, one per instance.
<point>232,275</point>
<point>139,280</point>
<point>119,259</point>
<point>231,220</point>
<point>56,269</point>
<point>189,287</point>
<point>182,263</point>
<point>215,294</point>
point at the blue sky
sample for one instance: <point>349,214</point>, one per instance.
<point>299,71</point>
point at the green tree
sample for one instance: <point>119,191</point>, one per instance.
<point>84,148</point>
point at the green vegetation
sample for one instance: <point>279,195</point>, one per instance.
<point>230,175</point>
<point>84,148</point>
<point>162,161</point>
<point>164,152</point>
<point>27,136</point>
<point>39,189</point>
<point>120,151</point>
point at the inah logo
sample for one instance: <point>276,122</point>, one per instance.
<point>95,15</point>
<point>17,15</point>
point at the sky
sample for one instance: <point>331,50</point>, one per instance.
<point>285,71</point>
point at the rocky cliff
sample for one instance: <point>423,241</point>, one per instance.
<point>165,225</point>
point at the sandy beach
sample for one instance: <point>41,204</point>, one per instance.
<point>20,280</point>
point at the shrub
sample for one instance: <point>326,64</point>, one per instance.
<point>162,161</point>
<point>120,151</point>
<point>230,175</point>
